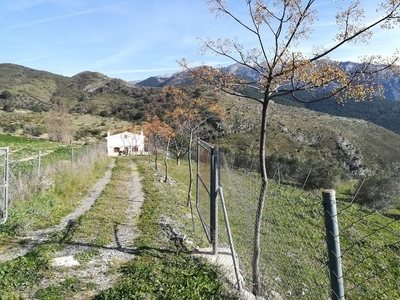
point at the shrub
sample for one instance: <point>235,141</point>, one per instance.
<point>8,106</point>
<point>10,128</point>
<point>379,192</point>
<point>323,175</point>
<point>6,95</point>
<point>34,130</point>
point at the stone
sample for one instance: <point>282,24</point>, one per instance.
<point>65,261</point>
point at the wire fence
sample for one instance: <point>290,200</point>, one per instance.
<point>32,174</point>
<point>294,257</point>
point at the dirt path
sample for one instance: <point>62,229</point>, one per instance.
<point>94,272</point>
<point>39,236</point>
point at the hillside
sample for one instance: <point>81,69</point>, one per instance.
<point>297,134</point>
<point>381,112</point>
<point>86,92</point>
<point>294,135</point>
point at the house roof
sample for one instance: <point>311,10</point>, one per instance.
<point>125,134</point>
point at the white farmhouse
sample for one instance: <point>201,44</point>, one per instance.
<point>125,143</point>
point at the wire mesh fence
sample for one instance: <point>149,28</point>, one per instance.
<point>294,255</point>
<point>34,173</point>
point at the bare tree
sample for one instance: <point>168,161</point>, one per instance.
<point>187,117</point>
<point>159,133</point>
<point>278,28</point>
<point>59,125</point>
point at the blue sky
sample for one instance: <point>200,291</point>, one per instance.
<point>133,39</point>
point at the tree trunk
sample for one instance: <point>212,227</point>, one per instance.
<point>260,204</point>
<point>165,161</point>
<point>155,157</point>
<point>189,195</point>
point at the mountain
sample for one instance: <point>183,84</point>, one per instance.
<point>294,134</point>
<point>297,135</point>
<point>385,113</point>
<point>178,79</point>
<point>389,79</point>
<point>85,92</point>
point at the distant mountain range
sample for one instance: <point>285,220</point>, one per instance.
<point>389,79</point>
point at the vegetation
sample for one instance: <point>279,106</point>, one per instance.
<point>171,276</point>
<point>283,69</point>
<point>294,263</point>
<point>47,206</point>
<point>380,192</point>
<point>174,274</point>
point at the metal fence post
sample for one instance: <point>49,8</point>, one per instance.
<point>333,244</point>
<point>39,162</point>
<point>214,199</point>
<point>5,179</point>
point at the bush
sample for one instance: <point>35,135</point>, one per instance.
<point>34,130</point>
<point>10,128</point>
<point>379,192</point>
<point>8,106</point>
<point>6,95</point>
<point>323,175</point>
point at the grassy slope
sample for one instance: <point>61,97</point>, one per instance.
<point>294,255</point>
<point>81,122</point>
<point>293,247</point>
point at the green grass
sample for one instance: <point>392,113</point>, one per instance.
<point>67,288</point>
<point>172,273</point>
<point>21,147</point>
<point>108,211</point>
<point>163,276</point>
<point>174,199</point>
<point>24,271</point>
<point>294,255</point>
<point>47,208</point>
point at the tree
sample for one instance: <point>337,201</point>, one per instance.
<point>158,133</point>
<point>187,117</point>
<point>278,28</point>
<point>58,124</point>
<point>7,99</point>
<point>380,192</point>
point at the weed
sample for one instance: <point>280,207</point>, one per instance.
<point>86,256</point>
<point>172,276</point>
<point>66,288</point>
<point>24,271</point>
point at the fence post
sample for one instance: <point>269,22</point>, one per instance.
<point>214,200</point>
<point>72,155</point>
<point>5,183</point>
<point>333,244</point>
<point>39,162</point>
